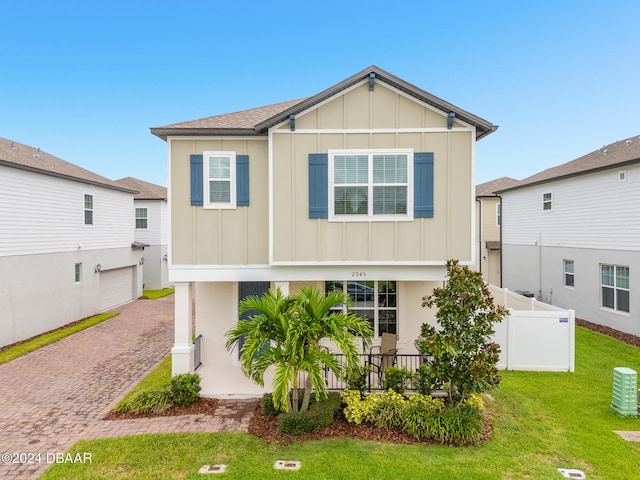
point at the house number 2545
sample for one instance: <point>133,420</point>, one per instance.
<point>358,274</point>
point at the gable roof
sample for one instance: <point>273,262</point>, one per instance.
<point>146,190</point>
<point>489,189</point>
<point>257,121</point>
<point>615,155</point>
<point>17,155</point>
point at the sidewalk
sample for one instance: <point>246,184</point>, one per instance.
<point>55,396</point>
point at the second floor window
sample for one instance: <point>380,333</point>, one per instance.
<point>546,201</point>
<point>370,185</point>
<point>141,218</point>
<point>88,209</point>
<point>219,179</point>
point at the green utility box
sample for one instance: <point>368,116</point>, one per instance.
<point>625,391</point>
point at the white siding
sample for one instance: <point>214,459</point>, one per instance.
<point>44,214</point>
<point>590,211</point>
<point>156,231</point>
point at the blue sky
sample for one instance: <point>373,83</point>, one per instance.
<point>85,80</point>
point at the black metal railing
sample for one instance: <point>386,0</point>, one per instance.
<point>197,352</point>
<point>373,368</point>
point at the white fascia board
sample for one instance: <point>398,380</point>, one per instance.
<point>242,273</point>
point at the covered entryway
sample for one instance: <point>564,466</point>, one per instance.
<point>116,287</point>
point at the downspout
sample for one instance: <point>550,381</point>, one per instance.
<point>479,234</point>
<point>501,245</point>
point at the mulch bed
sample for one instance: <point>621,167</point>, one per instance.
<point>618,335</point>
<point>202,405</point>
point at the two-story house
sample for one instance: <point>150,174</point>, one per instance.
<point>367,186</point>
<point>151,229</point>
<point>488,260</point>
<point>571,235</point>
<point>67,247</point>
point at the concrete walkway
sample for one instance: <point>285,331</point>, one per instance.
<point>55,396</point>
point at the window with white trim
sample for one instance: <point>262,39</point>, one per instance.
<point>78,272</point>
<point>569,273</point>
<point>219,179</point>
<point>546,201</point>
<point>88,209</point>
<point>141,218</point>
<point>614,280</point>
<point>370,185</point>
<point>375,300</point>
<point>498,214</point>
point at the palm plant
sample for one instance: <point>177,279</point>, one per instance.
<point>285,333</point>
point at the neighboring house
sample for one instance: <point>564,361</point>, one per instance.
<point>151,229</point>
<point>488,229</point>
<point>66,243</point>
<point>571,235</point>
<point>367,186</point>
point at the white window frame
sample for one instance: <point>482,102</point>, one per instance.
<point>548,201</point>
<point>78,272</point>
<point>207,156</point>
<point>375,307</point>
<point>498,214</point>
<point>145,218</point>
<point>615,287</point>
<point>85,209</point>
<point>565,273</point>
<point>370,216</point>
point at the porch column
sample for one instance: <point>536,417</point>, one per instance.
<point>284,287</point>
<point>182,351</point>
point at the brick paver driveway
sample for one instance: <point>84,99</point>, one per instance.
<point>57,395</point>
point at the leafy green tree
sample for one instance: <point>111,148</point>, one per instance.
<point>464,356</point>
<point>285,333</point>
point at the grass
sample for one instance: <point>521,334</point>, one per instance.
<point>50,337</point>
<point>156,379</point>
<point>155,294</point>
<point>542,421</point>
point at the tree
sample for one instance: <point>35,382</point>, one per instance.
<point>464,356</point>
<point>285,333</point>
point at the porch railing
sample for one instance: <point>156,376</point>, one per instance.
<point>372,363</point>
<point>197,352</point>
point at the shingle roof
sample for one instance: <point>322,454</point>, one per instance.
<point>17,155</point>
<point>614,155</point>
<point>146,190</point>
<point>489,189</point>
<point>258,120</point>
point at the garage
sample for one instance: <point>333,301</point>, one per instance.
<point>116,287</point>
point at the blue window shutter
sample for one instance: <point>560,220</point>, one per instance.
<point>196,180</point>
<point>423,185</point>
<point>242,180</point>
<point>318,185</point>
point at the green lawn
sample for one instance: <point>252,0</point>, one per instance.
<point>542,421</point>
<point>154,294</point>
<point>51,337</point>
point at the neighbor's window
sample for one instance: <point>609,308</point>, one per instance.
<point>219,179</point>
<point>78,272</point>
<point>375,300</point>
<point>498,214</point>
<point>546,201</point>
<point>615,287</point>
<point>141,218</point>
<point>370,185</point>
<point>88,209</point>
<point>569,274</point>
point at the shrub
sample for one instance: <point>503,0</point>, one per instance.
<point>268,407</point>
<point>184,388</point>
<point>151,401</point>
<point>387,409</point>
<point>358,379</point>
<point>460,425</point>
<point>319,415</point>
<point>423,382</point>
<point>419,414</point>
<point>396,379</point>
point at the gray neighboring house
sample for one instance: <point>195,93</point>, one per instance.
<point>571,235</point>
<point>151,230</point>
<point>67,248</point>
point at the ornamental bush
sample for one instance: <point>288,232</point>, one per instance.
<point>184,388</point>
<point>151,401</point>
<point>320,414</point>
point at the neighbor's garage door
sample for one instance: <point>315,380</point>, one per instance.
<point>116,287</point>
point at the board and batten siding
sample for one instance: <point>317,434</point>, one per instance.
<point>45,214</point>
<point>591,211</point>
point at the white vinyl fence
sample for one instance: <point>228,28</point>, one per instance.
<point>534,336</point>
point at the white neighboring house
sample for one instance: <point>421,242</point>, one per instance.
<point>67,247</point>
<point>151,229</point>
<point>571,236</point>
